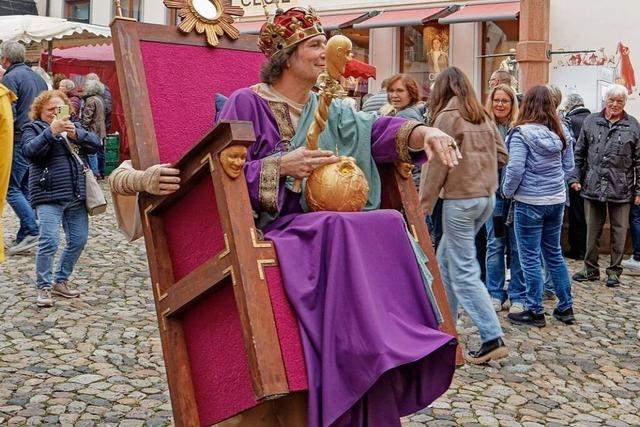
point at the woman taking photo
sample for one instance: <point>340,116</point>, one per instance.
<point>540,158</point>
<point>468,201</point>
<point>57,191</point>
<point>502,107</point>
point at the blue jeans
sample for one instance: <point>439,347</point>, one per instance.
<point>18,194</point>
<point>459,267</point>
<point>93,163</point>
<point>634,225</point>
<point>538,231</point>
<point>75,222</point>
<point>497,248</point>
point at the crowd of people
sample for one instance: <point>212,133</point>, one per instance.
<point>514,258</point>
<point>44,122</point>
<point>502,242</point>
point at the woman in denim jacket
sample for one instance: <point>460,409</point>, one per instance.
<point>540,159</point>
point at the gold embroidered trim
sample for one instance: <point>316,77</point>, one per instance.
<point>269,182</point>
<point>281,113</point>
<point>402,140</point>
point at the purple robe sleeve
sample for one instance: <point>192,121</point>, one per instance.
<point>390,141</point>
<point>262,169</point>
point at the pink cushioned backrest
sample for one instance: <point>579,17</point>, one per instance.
<point>182,81</point>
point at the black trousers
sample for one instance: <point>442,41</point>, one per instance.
<point>577,226</point>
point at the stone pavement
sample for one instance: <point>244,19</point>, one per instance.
<point>97,360</point>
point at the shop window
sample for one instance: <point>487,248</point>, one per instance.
<point>78,10</point>
<point>357,88</point>
<point>425,52</point>
<point>131,9</point>
<point>499,37</point>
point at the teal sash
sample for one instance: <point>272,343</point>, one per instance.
<point>346,133</point>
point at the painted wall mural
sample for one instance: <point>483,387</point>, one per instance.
<point>620,61</point>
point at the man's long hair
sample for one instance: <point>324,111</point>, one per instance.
<point>453,82</point>
<point>538,107</point>
<point>272,70</point>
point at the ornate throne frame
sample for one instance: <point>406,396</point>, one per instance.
<point>232,291</point>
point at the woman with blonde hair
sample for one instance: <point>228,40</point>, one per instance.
<point>57,190</point>
<point>502,107</point>
<point>468,194</point>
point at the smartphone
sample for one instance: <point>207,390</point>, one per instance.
<point>62,111</point>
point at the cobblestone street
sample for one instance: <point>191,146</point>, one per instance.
<point>97,360</point>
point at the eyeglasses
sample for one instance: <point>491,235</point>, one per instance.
<point>502,101</point>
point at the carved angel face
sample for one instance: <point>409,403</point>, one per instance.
<point>233,159</point>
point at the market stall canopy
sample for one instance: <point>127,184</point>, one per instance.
<point>30,29</point>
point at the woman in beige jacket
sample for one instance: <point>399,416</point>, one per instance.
<point>468,194</point>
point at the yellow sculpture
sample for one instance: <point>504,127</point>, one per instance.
<point>338,54</point>
<point>232,159</point>
<point>340,186</point>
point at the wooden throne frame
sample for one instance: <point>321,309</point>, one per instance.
<point>238,268</point>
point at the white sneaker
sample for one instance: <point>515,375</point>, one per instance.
<point>44,298</point>
<point>516,307</point>
<point>497,304</point>
<point>24,245</point>
<point>631,266</point>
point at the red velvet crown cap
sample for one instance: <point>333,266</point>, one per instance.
<point>289,28</point>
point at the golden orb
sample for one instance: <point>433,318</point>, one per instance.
<point>339,187</point>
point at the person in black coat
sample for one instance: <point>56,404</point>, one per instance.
<point>575,113</point>
<point>22,81</point>
<point>57,190</point>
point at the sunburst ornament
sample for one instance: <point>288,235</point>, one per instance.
<point>213,17</point>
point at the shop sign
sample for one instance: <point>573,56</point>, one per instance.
<point>254,7</point>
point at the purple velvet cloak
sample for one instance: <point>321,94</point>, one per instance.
<point>371,341</point>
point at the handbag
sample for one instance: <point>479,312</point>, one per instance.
<point>95,201</point>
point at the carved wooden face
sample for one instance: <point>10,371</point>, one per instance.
<point>233,159</point>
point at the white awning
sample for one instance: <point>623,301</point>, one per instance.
<point>36,29</point>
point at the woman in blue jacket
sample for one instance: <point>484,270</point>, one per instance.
<point>56,191</point>
<point>540,160</point>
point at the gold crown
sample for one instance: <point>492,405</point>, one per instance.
<point>289,28</point>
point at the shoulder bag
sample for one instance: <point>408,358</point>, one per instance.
<point>94,199</point>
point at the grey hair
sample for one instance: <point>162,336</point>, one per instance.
<point>92,76</point>
<point>93,87</point>
<point>272,70</point>
<point>69,84</point>
<point>616,91</point>
<point>13,51</point>
<point>572,102</point>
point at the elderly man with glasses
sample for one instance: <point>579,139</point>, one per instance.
<point>607,158</point>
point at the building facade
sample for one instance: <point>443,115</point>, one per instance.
<point>420,37</point>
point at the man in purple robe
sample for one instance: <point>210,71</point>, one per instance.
<point>372,346</point>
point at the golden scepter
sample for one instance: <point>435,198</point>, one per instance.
<point>340,186</point>
<point>338,53</point>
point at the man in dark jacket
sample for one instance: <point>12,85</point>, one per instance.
<point>576,112</point>
<point>26,85</point>
<point>607,161</point>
